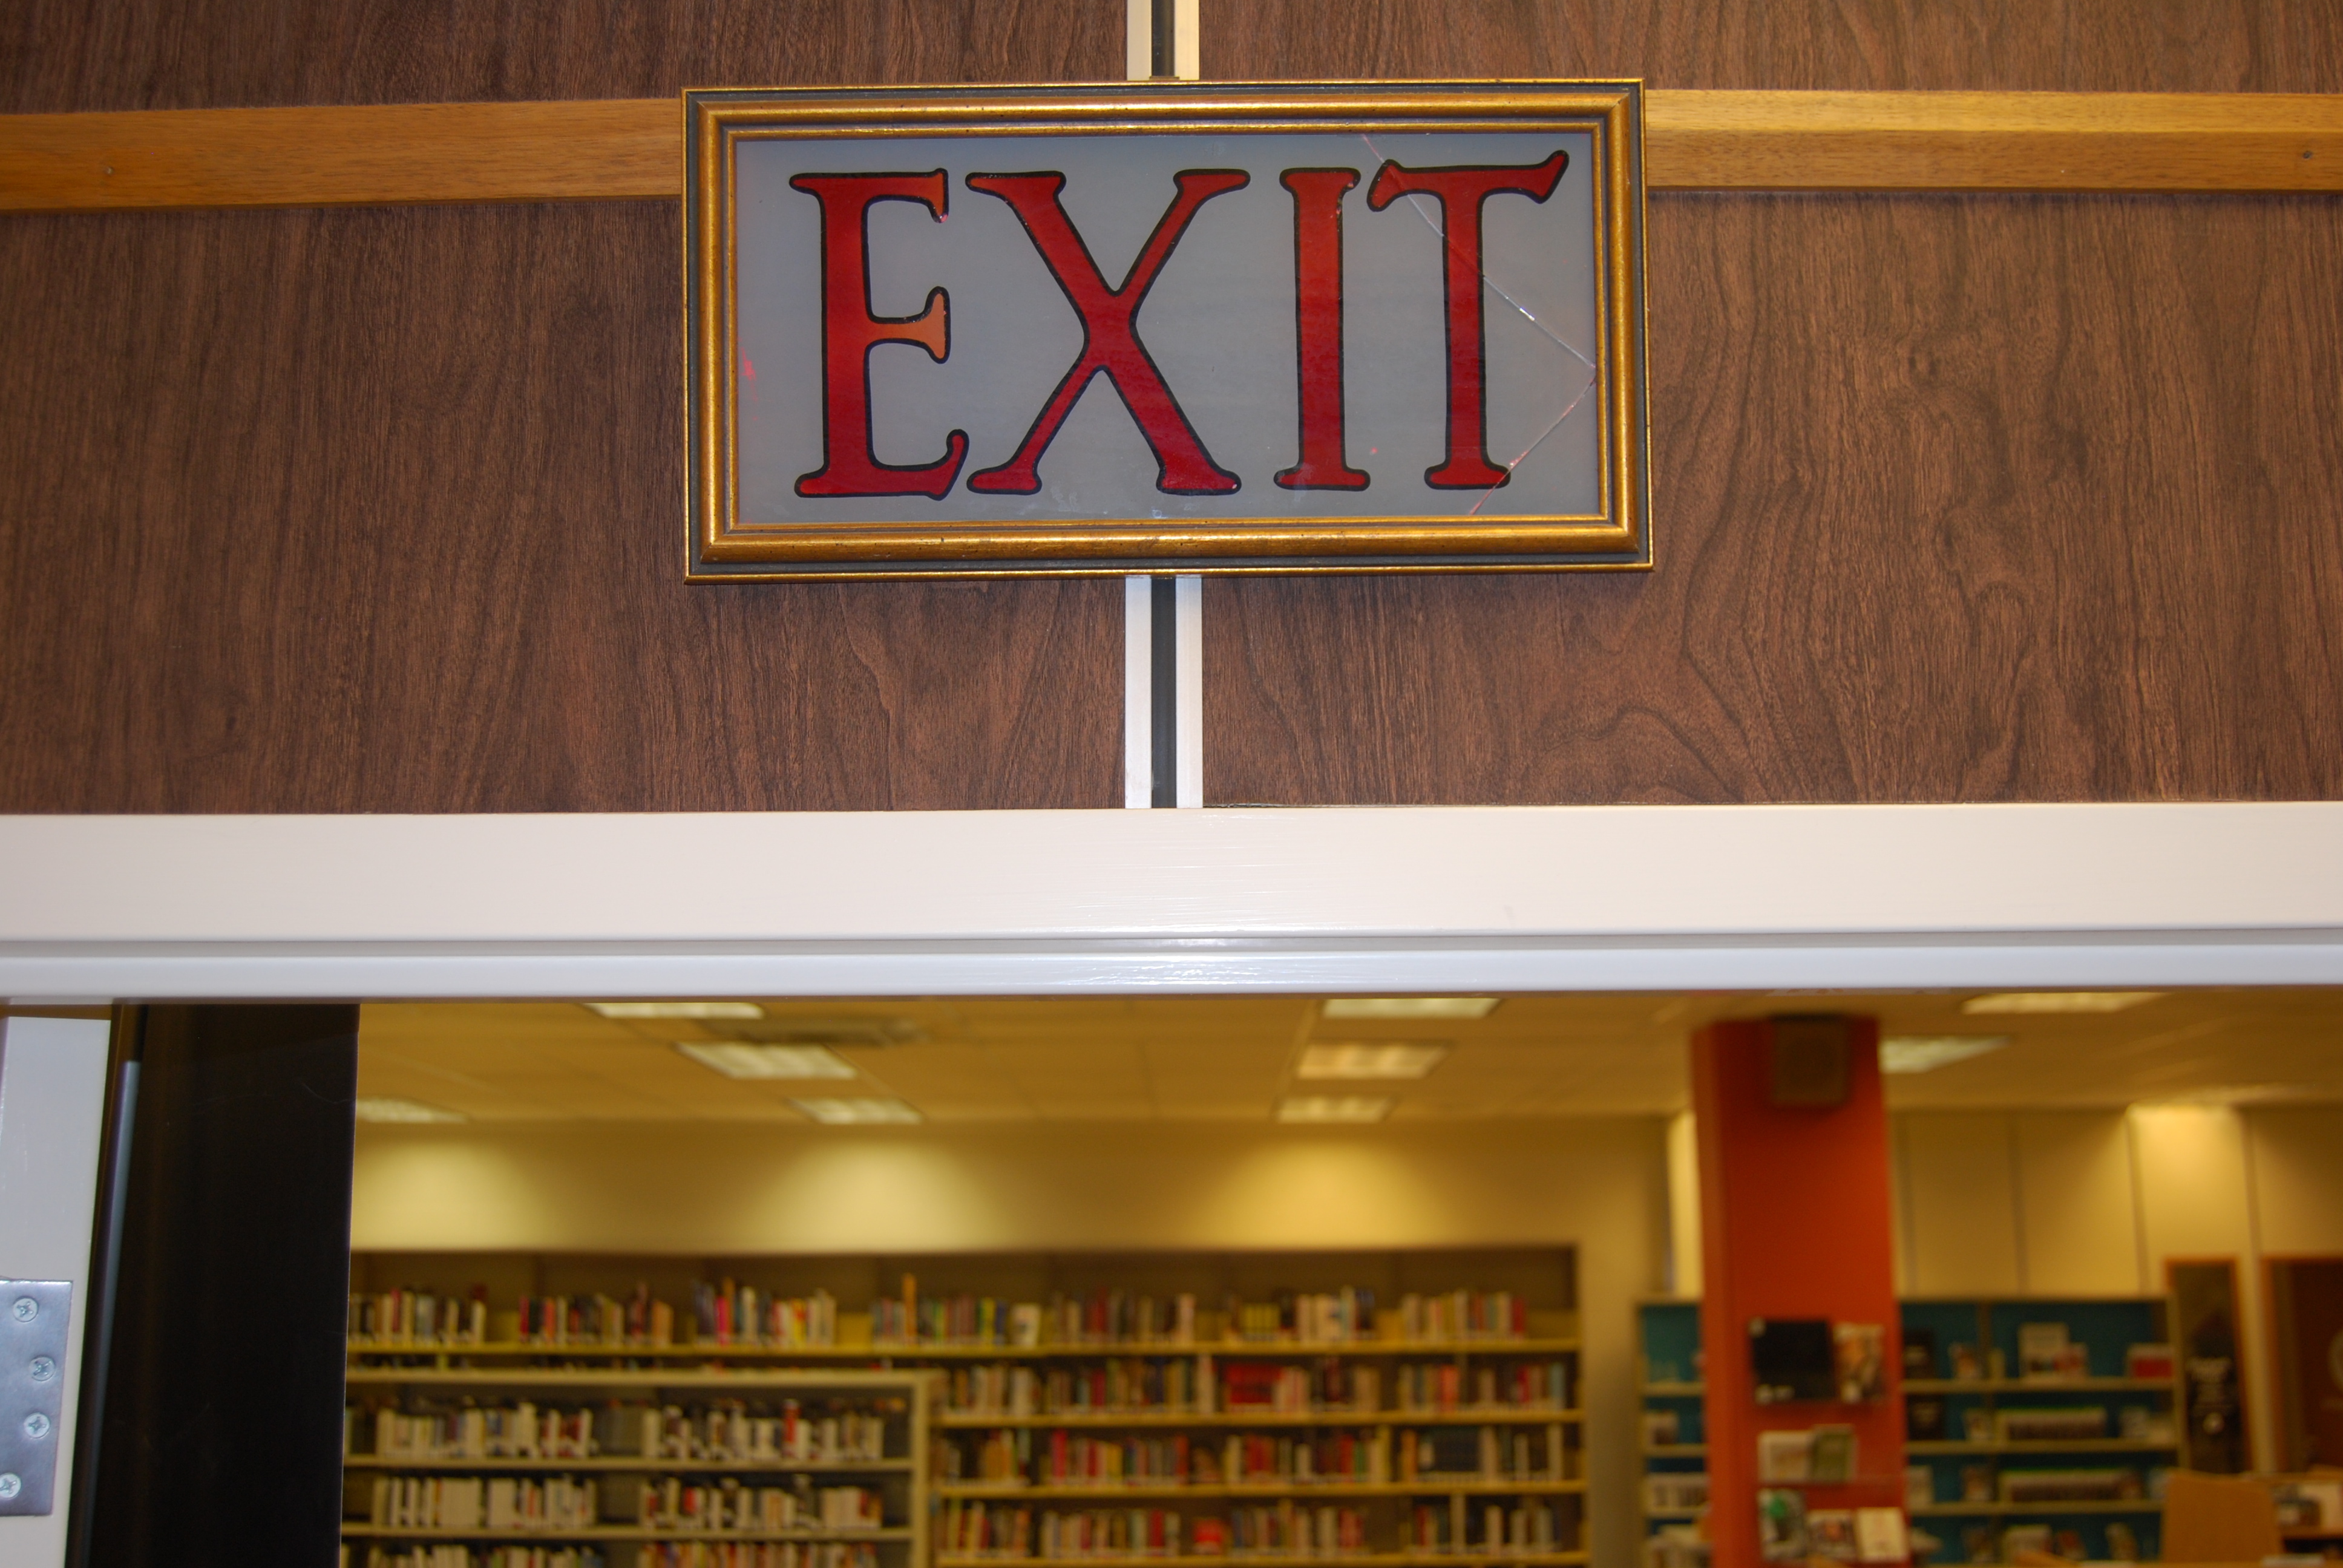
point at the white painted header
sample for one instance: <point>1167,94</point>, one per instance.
<point>1336,898</point>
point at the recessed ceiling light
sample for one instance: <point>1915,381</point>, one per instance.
<point>2058,1001</point>
<point>1335,1108</point>
<point>1408,1007</point>
<point>677,1009</point>
<point>387,1108</point>
<point>766,1061</point>
<point>1927,1052</point>
<point>1368,1059</point>
<point>850,1112</point>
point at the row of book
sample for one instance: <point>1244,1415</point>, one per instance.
<point>1021,1456</point>
<point>1927,1420</point>
<point>522,1431</point>
<point>788,1432</point>
<point>1112,1317</point>
<point>483,1502</point>
<point>1522,1385</point>
<point>727,1314</point>
<point>446,1555</point>
<point>1487,1527</point>
<point>758,1555</point>
<point>1193,1386</point>
<point>1790,1532</point>
<point>2024,1543</point>
<point>411,1316</point>
<point>1675,1490</point>
<point>675,1503</point>
<point>728,1430</point>
<point>640,1319</point>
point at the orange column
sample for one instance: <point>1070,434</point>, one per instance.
<point>1796,1216</point>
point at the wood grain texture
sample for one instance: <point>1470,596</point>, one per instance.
<point>632,147</point>
<point>584,149</point>
<point>63,55</point>
<point>1969,499</point>
<point>1979,45</point>
<point>380,510</point>
<point>1896,141</point>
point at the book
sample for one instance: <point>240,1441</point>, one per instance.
<point>1860,1358</point>
<point>1919,1352</point>
<point>1830,1534</point>
<point>1967,1365</point>
<point>1781,1525</point>
<point>1831,1453</point>
<point>2149,1361</point>
<point>1919,1486</point>
<point>1784,1456</point>
<point>1793,1359</point>
<point>1880,1535</point>
<point>1923,1419</point>
<point>2052,1423</point>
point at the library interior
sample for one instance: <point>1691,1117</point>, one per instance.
<point>1371,1282</point>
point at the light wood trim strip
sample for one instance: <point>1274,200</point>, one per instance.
<point>631,148</point>
<point>1994,141</point>
<point>374,153</point>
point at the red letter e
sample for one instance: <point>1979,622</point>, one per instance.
<point>848,333</point>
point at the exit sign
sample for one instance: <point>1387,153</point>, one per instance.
<point>1221,328</point>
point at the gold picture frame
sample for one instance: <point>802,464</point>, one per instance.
<point>721,547</point>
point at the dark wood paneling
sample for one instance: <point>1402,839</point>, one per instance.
<point>381,510</point>
<point>1956,498</point>
<point>67,54</point>
<point>2011,45</point>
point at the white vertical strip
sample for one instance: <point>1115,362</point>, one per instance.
<point>1138,693</point>
<point>1187,46</point>
<point>1139,39</point>
<point>51,1106</point>
<point>1188,628</point>
<point>1138,622</point>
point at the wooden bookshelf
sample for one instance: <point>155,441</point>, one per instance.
<point>898,1474</point>
<point>1186,1394</point>
<point>1125,1490</point>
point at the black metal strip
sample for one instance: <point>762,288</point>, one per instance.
<point>105,1270</point>
<point>1163,57</point>
<point>1163,690</point>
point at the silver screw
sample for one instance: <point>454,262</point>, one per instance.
<point>11,1483</point>
<point>26,1309</point>
<point>36,1426</point>
<point>43,1369</point>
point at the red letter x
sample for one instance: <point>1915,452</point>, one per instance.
<point>1110,345</point>
<point>1459,191</point>
<point>848,333</point>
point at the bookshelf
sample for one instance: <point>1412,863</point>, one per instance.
<point>579,1467</point>
<point>1375,1410</point>
<point>2002,1436</point>
<point>1672,1492</point>
<point>1966,1506</point>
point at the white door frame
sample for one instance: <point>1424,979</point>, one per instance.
<point>1345,899</point>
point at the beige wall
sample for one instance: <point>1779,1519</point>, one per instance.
<point>2096,1202</point>
<point>1598,1183</point>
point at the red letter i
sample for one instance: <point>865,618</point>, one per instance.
<point>1318,327</point>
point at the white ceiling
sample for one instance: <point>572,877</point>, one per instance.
<point>1218,1059</point>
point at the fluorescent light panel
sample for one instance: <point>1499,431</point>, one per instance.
<point>390,1108</point>
<point>677,1009</point>
<point>857,1112</point>
<point>1927,1052</point>
<point>1371,1059</point>
<point>2058,1001</point>
<point>1387,1007</point>
<point>1324,1107</point>
<point>734,1061</point>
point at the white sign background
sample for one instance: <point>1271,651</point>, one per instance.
<point>1220,323</point>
